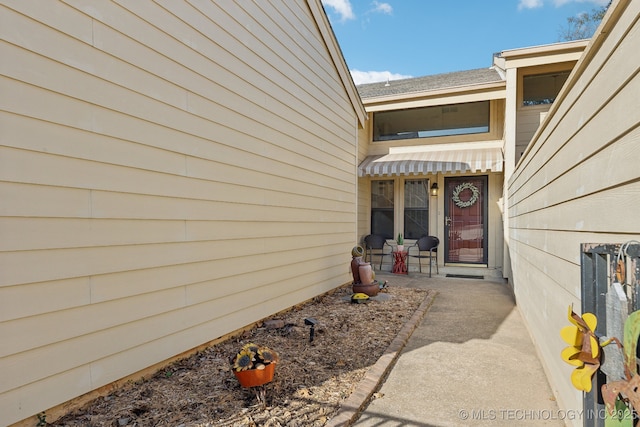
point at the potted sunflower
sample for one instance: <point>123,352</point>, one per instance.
<point>254,365</point>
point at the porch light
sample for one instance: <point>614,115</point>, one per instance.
<point>434,189</point>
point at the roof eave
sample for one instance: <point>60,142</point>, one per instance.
<point>542,50</point>
<point>480,87</point>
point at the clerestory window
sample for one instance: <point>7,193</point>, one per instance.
<point>427,122</point>
<point>540,89</point>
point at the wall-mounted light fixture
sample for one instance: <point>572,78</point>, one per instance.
<point>434,189</point>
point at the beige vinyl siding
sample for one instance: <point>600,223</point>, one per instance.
<point>364,184</point>
<point>364,209</point>
<point>577,183</point>
<point>495,233</point>
<point>169,172</point>
<point>528,121</point>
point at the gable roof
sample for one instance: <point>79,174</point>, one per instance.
<point>430,83</point>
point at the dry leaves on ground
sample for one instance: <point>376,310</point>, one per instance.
<point>311,378</point>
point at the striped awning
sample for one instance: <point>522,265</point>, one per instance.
<point>433,160</point>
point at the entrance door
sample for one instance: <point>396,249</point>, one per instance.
<point>465,224</point>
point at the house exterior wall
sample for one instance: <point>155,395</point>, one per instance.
<point>528,118</point>
<point>496,130</point>
<point>527,123</point>
<point>364,185</point>
<point>521,122</point>
<point>578,182</point>
<point>169,172</point>
<point>495,239</point>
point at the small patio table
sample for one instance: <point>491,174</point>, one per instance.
<point>399,262</point>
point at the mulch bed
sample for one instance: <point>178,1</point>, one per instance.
<point>311,378</point>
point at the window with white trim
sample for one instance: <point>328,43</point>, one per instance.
<point>416,208</point>
<point>382,208</point>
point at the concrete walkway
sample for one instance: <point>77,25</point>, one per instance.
<point>469,362</point>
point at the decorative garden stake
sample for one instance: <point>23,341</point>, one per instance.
<point>585,351</point>
<point>584,348</point>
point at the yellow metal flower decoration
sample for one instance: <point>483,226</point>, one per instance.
<point>584,348</point>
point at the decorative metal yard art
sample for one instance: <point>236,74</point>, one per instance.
<point>585,351</point>
<point>584,348</point>
<point>610,289</point>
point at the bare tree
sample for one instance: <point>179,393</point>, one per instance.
<point>582,26</point>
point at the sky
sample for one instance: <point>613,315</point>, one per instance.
<point>397,39</point>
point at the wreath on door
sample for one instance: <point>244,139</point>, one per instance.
<point>475,194</point>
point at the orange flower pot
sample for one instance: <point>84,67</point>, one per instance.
<point>256,377</point>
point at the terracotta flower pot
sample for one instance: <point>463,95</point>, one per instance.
<point>366,273</point>
<point>256,377</point>
<point>370,289</point>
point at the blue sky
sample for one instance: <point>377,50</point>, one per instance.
<point>410,38</point>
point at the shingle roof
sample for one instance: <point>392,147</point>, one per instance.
<point>428,83</point>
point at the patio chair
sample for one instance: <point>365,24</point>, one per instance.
<point>425,244</point>
<point>375,246</point>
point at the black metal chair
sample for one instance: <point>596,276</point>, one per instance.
<point>375,246</point>
<point>426,244</point>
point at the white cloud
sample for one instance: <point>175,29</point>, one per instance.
<point>362,77</point>
<point>382,8</point>
<point>529,4</point>
<point>341,7</point>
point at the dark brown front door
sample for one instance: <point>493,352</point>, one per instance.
<point>465,222</point>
